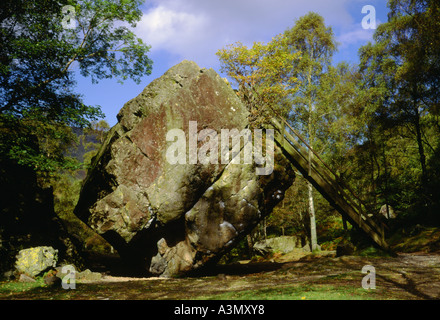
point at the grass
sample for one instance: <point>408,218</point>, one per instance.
<point>298,292</point>
<point>16,286</point>
<point>326,289</point>
<point>426,240</point>
<point>372,252</point>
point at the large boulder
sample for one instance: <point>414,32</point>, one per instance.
<point>171,215</point>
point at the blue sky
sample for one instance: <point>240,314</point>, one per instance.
<point>196,29</point>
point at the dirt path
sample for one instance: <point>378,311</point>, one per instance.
<point>415,274</point>
<point>407,276</point>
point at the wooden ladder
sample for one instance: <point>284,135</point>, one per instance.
<point>328,184</point>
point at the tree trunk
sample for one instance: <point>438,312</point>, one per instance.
<point>344,224</point>
<point>265,228</point>
<point>420,146</point>
<point>250,246</point>
<point>313,237</point>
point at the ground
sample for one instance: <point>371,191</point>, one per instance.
<point>414,276</point>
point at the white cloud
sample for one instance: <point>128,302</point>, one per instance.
<point>165,28</point>
<point>355,36</point>
<point>196,29</point>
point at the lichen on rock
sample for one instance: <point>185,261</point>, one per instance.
<point>170,219</point>
<point>34,261</point>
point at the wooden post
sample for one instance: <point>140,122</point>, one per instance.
<point>344,224</point>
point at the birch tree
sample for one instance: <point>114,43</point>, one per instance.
<point>263,75</point>
<point>316,43</point>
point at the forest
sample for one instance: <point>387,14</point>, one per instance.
<point>376,124</point>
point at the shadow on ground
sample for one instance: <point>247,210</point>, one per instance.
<point>413,276</point>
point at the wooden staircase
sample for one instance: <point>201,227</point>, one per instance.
<point>328,184</point>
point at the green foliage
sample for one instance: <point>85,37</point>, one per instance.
<point>262,73</point>
<point>400,72</point>
<point>290,216</point>
<point>239,252</point>
<point>377,124</point>
<point>416,239</point>
<point>16,286</point>
<point>37,101</point>
<point>67,186</point>
<point>316,43</point>
<point>372,251</point>
<point>39,145</point>
<point>98,131</point>
<point>331,232</point>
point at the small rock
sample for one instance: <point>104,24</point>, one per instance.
<point>387,214</point>
<point>282,244</point>
<point>344,249</point>
<point>8,275</point>
<point>52,281</point>
<point>34,261</point>
<point>26,278</point>
<point>262,248</point>
<point>88,275</point>
<point>306,248</point>
<point>221,276</point>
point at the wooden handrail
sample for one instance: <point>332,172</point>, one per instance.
<point>331,188</point>
<point>336,176</point>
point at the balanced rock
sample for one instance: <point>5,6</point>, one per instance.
<point>160,191</point>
